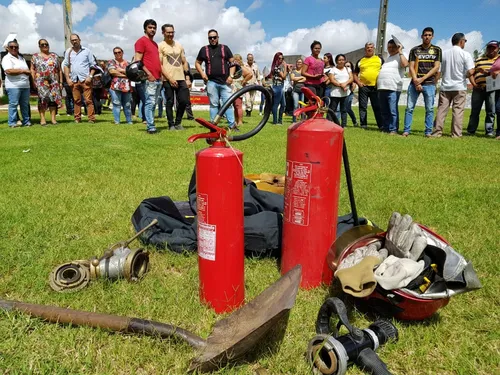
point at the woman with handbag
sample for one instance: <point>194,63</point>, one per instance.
<point>120,86</point>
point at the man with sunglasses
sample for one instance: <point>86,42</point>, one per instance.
<point>218,75</point>
<point>174,68</point>
<point>17,84</point>
<point>79,68</point>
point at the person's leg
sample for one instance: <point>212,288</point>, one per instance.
<point>261,105</point>
<point>429,92</point>
<point>458,106</point>
<point>182,94</point>
<point>277,92</point>
<point>343,112</point>
<point>160,103</point>
<point>126,100</point>
<point>213,96</point>
<point>87,94</point>
<point>375,106</point>
<point>497,111</point>
<point>295,96</point>
<point>489,107</point>
<point>24,104</point>
<point>96,101</point>
<point>385,111</point>
<point>238,111</point>
<point>117,103</point>
<point>225,93</point>
<point>169,103</point>
<point>41,110</point>
<point>363,103</point>
<point>393,112</point>
<point>476,103</point>
<point>349,110</point>
<point>443,107</point>
<point>282,107</point>
<point>13,95</point>
<point>53,112</point>
<point>151,93</point>
<point>77,96</point>
<point>412,96</point>
<point>334,102</point>
<point>398,95</point>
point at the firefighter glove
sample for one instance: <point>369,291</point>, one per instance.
<point>404,238</point>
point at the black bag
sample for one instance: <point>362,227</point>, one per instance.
<point>106,79</point>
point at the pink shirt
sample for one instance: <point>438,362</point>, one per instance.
<point>314,66</point>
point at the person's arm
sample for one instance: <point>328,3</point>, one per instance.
<point>304,73</point>
<point>138,57</point>
<point>297,79</point>
<point>403,61</point>
<point>282,73</point>
<point>247,75</point>
<point>345,85</point>
<point>356,76</point>
<point>430,73</point>
<point>8,69</point>
<point>333,81</point>
<point>199,69</point>
<point>32,71</point>
<point>185,64</point>
<point>232,69</point>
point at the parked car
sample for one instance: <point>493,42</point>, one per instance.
<point>198,86</point>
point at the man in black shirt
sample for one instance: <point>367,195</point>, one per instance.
<point>218,74</point>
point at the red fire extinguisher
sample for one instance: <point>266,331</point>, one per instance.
<point>219,202</point>
<point>313,165</point>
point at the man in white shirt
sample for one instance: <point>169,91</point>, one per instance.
<point>456,67</point>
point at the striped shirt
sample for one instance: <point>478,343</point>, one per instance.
<point>425,59</point>
<point>483,63</point>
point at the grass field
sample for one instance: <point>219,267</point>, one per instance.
<point>68,191</point>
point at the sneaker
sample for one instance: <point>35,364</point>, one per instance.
<point>355,124</point>
<point>19,123</point>
<point>179,127</point>
<point>172,128</point>
<point>77,121</point>
<point>405,134</point>
<point>117,123</point>
<point>152,131</point>
<point>91,122</point>
<point>456,136</point>
<point>470,134</point>
<point>130,123</point>
<point>490,135</point>
<point>436,135</point>
<point>15,126</point>
<point>260,113</point>
<point>393,133</point>
<point>190,118</point>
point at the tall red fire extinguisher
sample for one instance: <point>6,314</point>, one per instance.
<point>313,165</point>
<point>219,203</point>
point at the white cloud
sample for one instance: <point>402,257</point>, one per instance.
<point>123,28</point>
<point>255,5</point>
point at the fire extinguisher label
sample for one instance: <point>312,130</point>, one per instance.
<point>202,207</point>
<point>298,192</point>
<point>206,240</point>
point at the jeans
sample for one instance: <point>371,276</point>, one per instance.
<point>389,110</point>
<point>348,108</point>
<point>181,95</point>
<point>497,110</point>
<point>160,100</point>
<point>477,99</point>
<point>262,101</point>
<point>297,97</point>
<point>152,91</point>
<point>429,91</point>
<point>219,94</point>
<point>21,98</point>
<point>96,99</point>
<point>121,99</point>
<point>365,93</point>
<point>277,101</point>
<point>140,87</point>
<point>69,99</point>
<point>334,102</point>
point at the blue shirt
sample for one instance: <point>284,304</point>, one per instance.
<point>79,63</point>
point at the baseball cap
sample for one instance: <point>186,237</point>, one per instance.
<point>492,43</point>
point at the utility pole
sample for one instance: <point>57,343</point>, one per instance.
<point>68,24</point>
<point>382,27</point>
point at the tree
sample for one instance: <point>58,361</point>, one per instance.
<point>476,54</point>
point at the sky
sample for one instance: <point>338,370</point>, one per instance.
<point>262,27</point>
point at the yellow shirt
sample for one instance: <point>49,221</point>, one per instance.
<point>368,69</point>
<point>171,59</point>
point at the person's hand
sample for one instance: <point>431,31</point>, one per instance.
<point>27,71</point>
<point>151,77</point>
<point>419,88</point>
<point>404,238</point>
<point>494,75</point>
<point>173,83</point>
<point>343,86</point>
<point>229,80</point>
<point>361,84</point>
<point>70,82</point>
<point>88,80</point>
<point>400,48</point>
<point>204,77</point>
<point>417,81</point>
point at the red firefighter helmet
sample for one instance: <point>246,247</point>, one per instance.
<point>398,303</point>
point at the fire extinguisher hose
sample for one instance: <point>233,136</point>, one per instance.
<point>265,117</point>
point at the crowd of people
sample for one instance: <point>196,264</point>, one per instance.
<point>168,80</point>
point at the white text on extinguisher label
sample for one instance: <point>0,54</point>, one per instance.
<point>298,192</point>
<point>202,207</point>
<point>206,240</point>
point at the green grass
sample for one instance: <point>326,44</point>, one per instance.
<point>74,192</point>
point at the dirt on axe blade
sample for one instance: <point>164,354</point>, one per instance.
<point>231,338</point>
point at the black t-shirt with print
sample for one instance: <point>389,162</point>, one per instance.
<point>424,59</point>
<point>216,60</point>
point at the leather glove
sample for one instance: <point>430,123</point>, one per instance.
<point>404,238</point>
<point>362,252</point>
<point>359,281</point>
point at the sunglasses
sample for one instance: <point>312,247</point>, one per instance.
<point>212,37</point>
<point>44,44</point>
<point>13,47</point>
<point>117,52</point>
